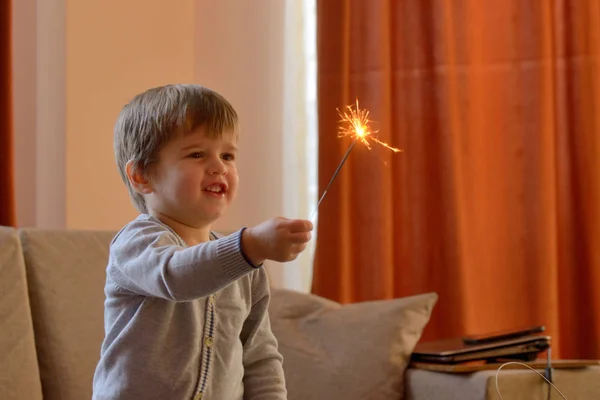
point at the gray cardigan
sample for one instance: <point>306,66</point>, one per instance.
<point>185,322</point>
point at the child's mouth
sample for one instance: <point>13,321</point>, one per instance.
<point>217,189</point>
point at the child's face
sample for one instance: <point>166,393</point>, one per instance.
<point>195,178</point>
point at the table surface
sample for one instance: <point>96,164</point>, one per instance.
<point>482,366</point>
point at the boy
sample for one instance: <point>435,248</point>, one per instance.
<point>186,311</point>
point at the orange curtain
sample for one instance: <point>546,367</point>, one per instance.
<point>494,202</point>
<point>6,165</point>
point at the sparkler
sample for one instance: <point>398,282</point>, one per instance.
<point>354,124</point>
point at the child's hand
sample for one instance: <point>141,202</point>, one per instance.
<point>278,239</point>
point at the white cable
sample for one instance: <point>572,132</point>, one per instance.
<point>524,365</point>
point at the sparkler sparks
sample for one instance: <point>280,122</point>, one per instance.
<point>354,124</point>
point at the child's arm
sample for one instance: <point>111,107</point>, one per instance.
<point>148,259</point>
<point>263,377</point>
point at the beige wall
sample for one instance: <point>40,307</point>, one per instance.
<point>39,111</point>
<point>24,16</point>
<point>89,58</point>
<point>239,52</point>
<point>115,49</point>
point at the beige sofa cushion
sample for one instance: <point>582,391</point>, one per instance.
<point>350,352</point>
<point>19,375</point>
<point>66,273</point>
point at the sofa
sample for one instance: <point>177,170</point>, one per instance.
<point>51,328</point>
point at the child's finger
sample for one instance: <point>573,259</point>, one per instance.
<point>299,225</point>
<point>300,237</point>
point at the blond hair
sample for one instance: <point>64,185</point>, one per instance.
<point>154,117</point>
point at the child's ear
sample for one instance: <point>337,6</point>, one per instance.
<point>137,178</point>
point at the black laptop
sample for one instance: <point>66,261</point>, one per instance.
<point>454,351</point>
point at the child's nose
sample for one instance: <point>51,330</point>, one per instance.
<point>218,167</point>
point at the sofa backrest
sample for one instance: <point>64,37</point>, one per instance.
<point>66,276</point>
<point>19,375</point>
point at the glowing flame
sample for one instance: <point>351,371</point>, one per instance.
<point>355,124</point>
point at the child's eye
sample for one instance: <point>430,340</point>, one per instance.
<point>196,155</point>
<point>228,157</point>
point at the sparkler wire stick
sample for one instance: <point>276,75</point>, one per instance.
<point>337,171</point>
<point>355,124</point>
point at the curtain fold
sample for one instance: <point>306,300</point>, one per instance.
<point>7,212</point>
<point>494,202</point>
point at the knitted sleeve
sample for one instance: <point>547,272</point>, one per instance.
<point>149,259</point>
